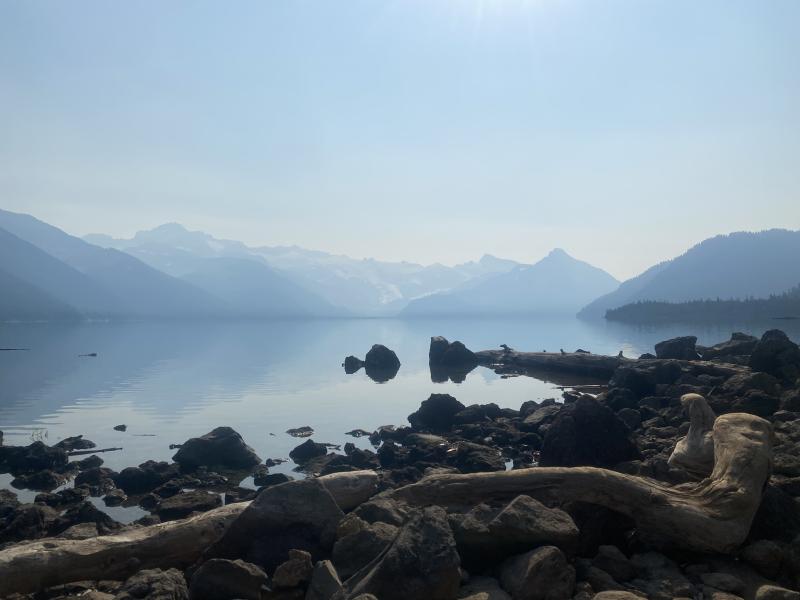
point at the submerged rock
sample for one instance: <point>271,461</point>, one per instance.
<point>221,447</point>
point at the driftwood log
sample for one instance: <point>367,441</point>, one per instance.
<point>29,567</point>
<point>578,363</point>
<point>592,365</point>
<point>713,515</point>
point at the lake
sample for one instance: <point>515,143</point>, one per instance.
<point>168,381</point>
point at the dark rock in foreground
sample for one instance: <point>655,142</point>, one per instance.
<point>777,355</point>
<point>585,433</point>
<point>422,562</point>
<point>220,578</point>
<point>295,515</point>
<point>221,447</point>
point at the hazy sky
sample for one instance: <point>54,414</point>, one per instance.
<point>424,130</point>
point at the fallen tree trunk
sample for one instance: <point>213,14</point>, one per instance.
<point>713,515</point>
<point>593,365</point>
<point>30,567</point>
<point>578,363</point>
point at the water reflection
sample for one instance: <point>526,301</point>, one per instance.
<point>171,381</point>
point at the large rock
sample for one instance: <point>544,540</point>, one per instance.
<point>380,357</point>
<point>222,447</point>
<point>355,550</point>
<point>27,522</point>
<point>488,535</point>
<point>38,456</point>
<point>682,348</point>
<point>777,355</point>
<point>439,346</point>
<point>541,574</point>
<point>437,413</point>
<point>295,515</point>
<point>154,584</point>
<point>740,344</point>
<point>146,477</point>
<point>307,450</point>
<point>458,355</point>
<point>221,579</point>
<point>585,433</point>
<point>422,562</point>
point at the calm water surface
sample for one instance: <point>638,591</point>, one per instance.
<point>168,381</point>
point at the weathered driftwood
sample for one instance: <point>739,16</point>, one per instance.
<point>695,452</point>
<point>713,515</point>
<point>29,567</point>
<point>579,363</point>
<point>592,365</point>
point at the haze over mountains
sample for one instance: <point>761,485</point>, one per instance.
<point>363,287</point>
<point>557,284</point>
<point>735,266</point>
<point>169,272</point>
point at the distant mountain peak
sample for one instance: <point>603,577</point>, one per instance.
<point>558,253</point>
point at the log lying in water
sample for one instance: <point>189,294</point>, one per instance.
<point>593,365</point>
<point>579,363</point>
<point>29,567</point>
<point>713,515</point>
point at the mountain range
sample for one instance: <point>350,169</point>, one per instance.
<point>735,266</point>
<point>557,284</point>
<point>363,287</point>
<point>169,272</point>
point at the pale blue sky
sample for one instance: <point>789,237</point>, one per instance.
<point>623,131</point>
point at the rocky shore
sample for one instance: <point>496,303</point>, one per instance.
<point>679,478</point>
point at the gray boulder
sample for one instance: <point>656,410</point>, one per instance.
<point>486,535</point>
<point>294,515</point>
<point>422,562</point>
